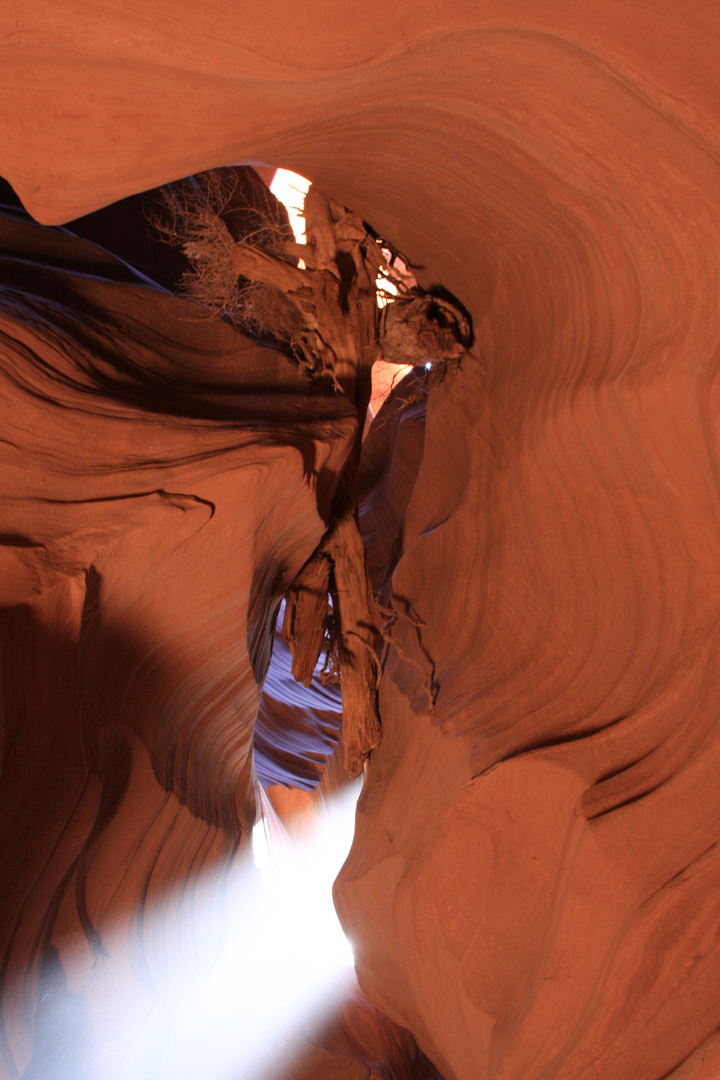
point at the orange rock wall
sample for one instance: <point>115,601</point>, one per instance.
<point>533,888</point>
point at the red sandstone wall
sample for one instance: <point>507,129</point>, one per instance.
<point>533,890</point>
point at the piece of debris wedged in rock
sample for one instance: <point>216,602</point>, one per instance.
<point>533,889</point>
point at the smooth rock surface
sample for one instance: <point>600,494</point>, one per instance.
<point>533,889</point>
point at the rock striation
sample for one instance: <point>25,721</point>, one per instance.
<point>533,888</point>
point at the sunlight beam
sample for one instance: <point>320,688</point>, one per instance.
<point>243,968</point>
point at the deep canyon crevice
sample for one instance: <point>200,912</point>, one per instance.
<point>532,889</point>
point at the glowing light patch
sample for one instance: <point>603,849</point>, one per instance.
<point>291,188</point>
<point>228,978</point>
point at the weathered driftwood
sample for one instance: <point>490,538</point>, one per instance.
<point>420,328</point>
<point>334,296</point>
<point>337,300</point>
<point>338,568</point>
<point>327,312</point>
<point>306,604</point>
<point>359,624</point>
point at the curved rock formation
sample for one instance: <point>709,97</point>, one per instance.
<point>533,890</point>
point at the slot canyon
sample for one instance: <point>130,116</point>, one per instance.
<point>266,542</point>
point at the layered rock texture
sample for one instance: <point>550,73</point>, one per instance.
<point>533,891</point>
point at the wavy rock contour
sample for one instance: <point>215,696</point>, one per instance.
<point>533,888</point>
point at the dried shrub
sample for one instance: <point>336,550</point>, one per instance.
<point>207,216</point>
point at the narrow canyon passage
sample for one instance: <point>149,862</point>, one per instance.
<point>532,888</point>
